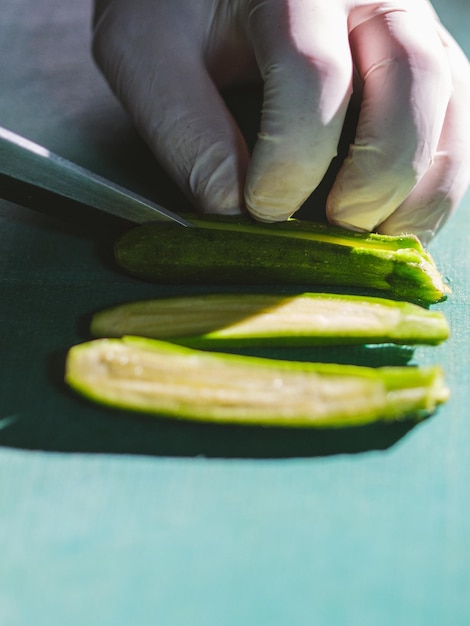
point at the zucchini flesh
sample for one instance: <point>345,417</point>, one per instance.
<point>249,320</point>
<point>239,251</point>
<point>164,379</point>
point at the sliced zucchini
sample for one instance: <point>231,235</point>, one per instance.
<point>168,380</point>
<point>218,321</point>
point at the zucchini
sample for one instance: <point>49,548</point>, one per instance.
<point>163,379</point>
<point>221,321</point>
<point>237,251</point>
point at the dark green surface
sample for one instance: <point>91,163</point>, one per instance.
<point>110,519</point>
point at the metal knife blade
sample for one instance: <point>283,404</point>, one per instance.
<point>23,161</point>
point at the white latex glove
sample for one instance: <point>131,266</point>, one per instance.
<point>410,162</point>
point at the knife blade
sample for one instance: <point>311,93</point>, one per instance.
<point>26,167</point>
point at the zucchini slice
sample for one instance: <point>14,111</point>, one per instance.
<point>167,380</point>
<point>219,321</point>
<point>238,251</point>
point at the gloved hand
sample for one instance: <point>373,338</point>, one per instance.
<point>410,162</point>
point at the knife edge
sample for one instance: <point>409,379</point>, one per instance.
<point>22,162</point>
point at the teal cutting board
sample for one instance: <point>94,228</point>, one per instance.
<point>107,519</point>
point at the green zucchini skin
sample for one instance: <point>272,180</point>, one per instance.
<point>233,321</point>
<point>240,252</point>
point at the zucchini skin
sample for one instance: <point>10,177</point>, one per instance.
<point>240,252</point>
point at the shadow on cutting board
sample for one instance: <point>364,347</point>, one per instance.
<point>65,422</point>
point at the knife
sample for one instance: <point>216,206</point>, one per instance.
<point>30,175</point>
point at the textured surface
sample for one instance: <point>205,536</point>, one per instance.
<point>107,519</point>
